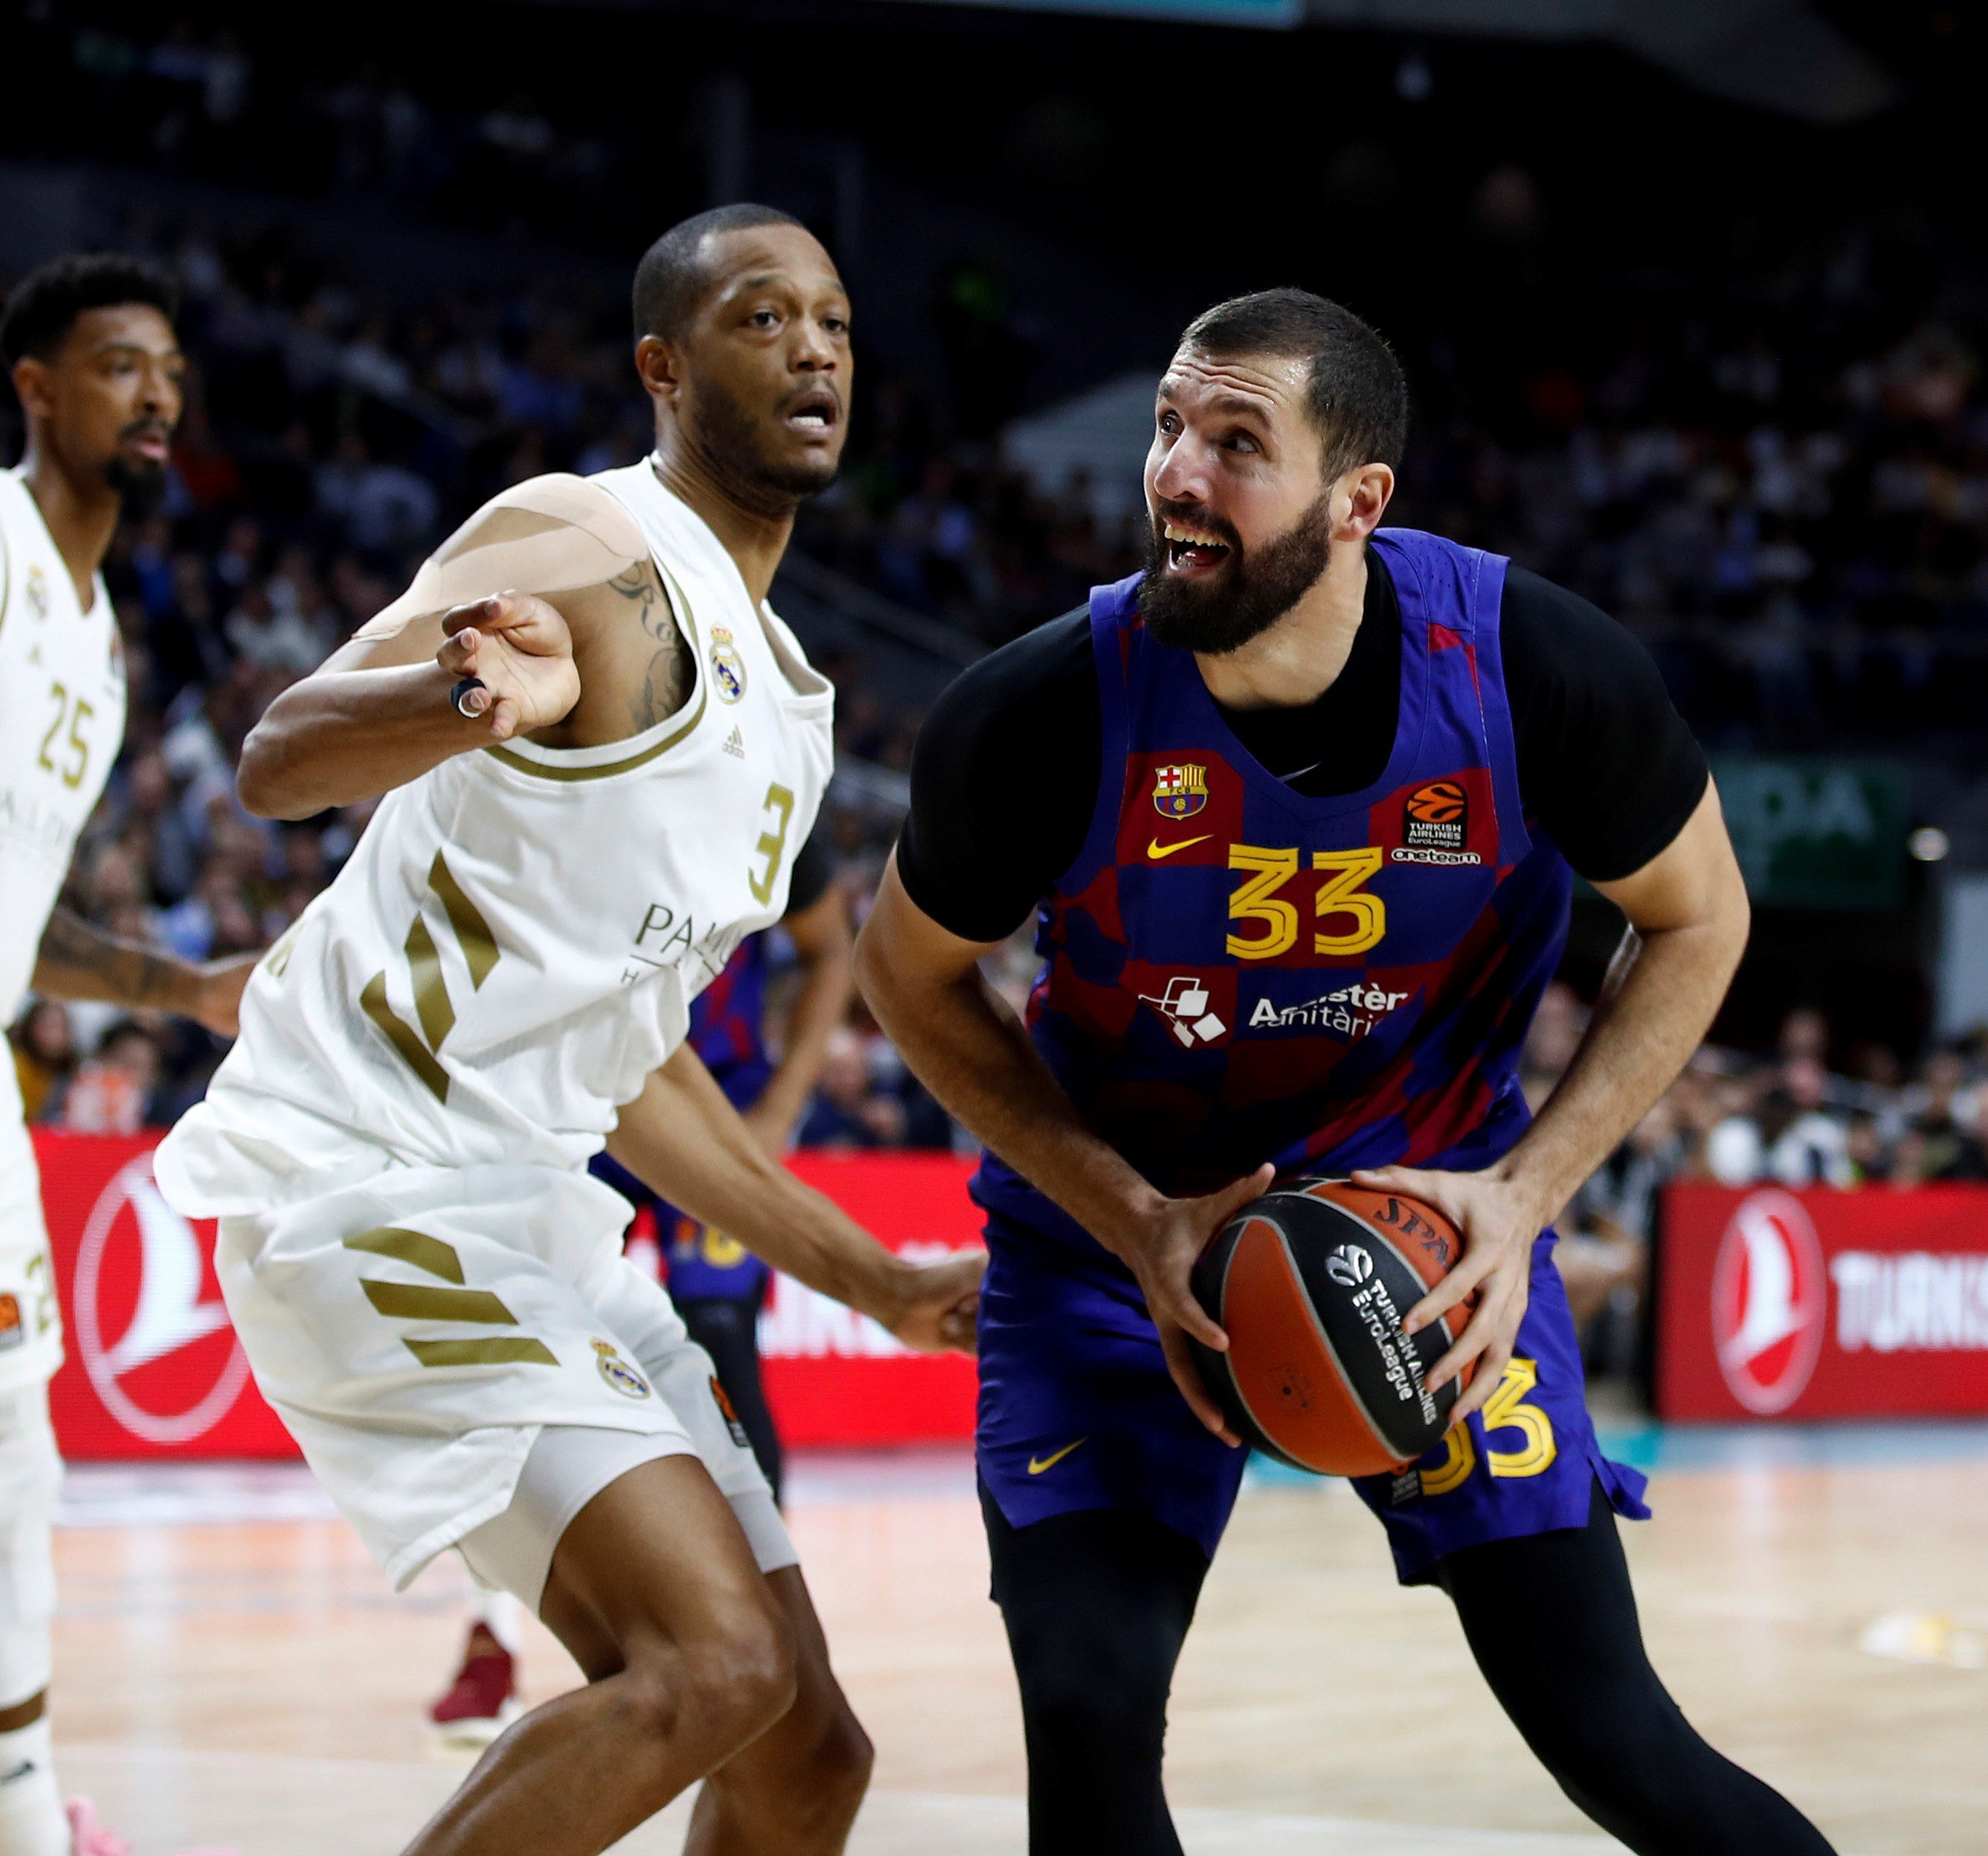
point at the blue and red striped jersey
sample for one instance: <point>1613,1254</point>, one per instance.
<point>1234,972</point>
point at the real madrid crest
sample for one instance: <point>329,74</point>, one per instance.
<point>1180,790</point>
<point>37,591</point>
<point>618,1373</point>
<point>728,668</point>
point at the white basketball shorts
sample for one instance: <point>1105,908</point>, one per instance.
<point>419,1330</point>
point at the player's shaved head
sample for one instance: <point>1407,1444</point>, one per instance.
<point>1355,391</point>
<point>677,271</point>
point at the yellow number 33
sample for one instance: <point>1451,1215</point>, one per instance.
<point>1505,1410</point>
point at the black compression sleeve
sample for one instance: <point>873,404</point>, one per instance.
<point>1004,779</point>
<point>1605,761</point>
<point>1552,1622</point>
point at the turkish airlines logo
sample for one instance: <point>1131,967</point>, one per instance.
<point>158,1349</point>
<point>1769,1302</point>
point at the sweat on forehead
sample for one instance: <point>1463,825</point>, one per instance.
<point>1253,383</point>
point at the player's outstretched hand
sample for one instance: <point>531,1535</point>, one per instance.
<point>937,1304</point>
<point>1499,1219</point>
<point>522,649</point>
<point>217,998</point>
<point>1161,1251</point>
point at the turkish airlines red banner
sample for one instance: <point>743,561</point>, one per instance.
<point>1871,1303</point>
<point>155,1371</point>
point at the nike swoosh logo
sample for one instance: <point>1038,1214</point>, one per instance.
<point>1038,1463</point>
<point>1156,849</point>
<point>25,1770</point>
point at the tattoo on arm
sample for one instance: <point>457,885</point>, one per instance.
<point>666,683</point>
<point>77,961</point>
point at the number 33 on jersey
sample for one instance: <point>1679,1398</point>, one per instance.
<point>1236,971</point>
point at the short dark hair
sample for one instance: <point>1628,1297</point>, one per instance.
<point>1356,393</point>
<point>673,276</point>
<point>43,306</point>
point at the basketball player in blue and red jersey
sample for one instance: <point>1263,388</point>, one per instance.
<point>718,1285</point>
<point>1298,810</point>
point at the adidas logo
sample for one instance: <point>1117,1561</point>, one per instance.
<point>735,743</point>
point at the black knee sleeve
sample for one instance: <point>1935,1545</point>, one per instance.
<point>1097,1606</point>
<point>1551,1620</point>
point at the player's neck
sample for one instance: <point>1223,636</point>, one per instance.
<point>1298,658</point>
<point>81,518</point>
<point>756,541</point>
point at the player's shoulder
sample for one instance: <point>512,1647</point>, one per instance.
<point>1035,696</point>
<point>1552,636</point>
<point>1040,666</point>
<point>557,511</point>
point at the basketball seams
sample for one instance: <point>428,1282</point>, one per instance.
<point>1354,1401</point>
<point>1380,1240</point>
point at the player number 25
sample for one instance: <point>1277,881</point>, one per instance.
<point>1339,900</point>
<point>74,752</point>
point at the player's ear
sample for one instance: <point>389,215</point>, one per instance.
<point>1367,490</point>
<point>31,385</point>
<point>659,365</point>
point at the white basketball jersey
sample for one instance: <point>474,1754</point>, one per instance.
<point>516,941</point>
<point>62,722</point>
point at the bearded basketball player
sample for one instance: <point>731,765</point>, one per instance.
<point>1331,781</point>
<point>89,345</point>
<point>599,749</point>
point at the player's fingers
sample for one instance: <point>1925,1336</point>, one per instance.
<point>1489,1323</point>
<point>505,716</point>
<point>458,652</point>
<point>1447,1294</point>
<point>1187,1377</point>
<point>1223,1205</point>
<point>1484,1381</point>
<point>1174,1304</point>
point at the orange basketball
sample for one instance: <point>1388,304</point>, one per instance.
<point>1311,1284</point>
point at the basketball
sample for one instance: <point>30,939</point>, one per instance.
<point>1311,1284</point>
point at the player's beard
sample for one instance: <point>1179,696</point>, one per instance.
<point>723,431</point>
<point>139,487</point>
<point>1255,589</point>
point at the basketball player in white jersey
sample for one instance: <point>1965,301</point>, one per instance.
<point>600,750</point>
<point>89,343</point>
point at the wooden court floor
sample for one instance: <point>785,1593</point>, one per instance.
<point>1819,1605</point>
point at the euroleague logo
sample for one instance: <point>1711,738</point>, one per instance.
<point>1349,1265</point>
<point>1769,1302</point>
<point>154,1341</point>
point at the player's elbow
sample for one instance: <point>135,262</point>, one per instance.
<point>265,778</point>
<point>871,961</point>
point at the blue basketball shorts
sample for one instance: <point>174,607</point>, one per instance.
<point>1077,1411</point>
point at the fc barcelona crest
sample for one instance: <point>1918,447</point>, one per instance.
<point>1180,790</point>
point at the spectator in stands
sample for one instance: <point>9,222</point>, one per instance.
<point>849,1110</point>
<point>1789,1137</point>
<point>111,1093</point>
<point>44,1051</point>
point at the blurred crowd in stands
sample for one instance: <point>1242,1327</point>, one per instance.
<point>1779,482</point>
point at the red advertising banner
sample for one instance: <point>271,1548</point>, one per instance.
<point>154,1370</point>
<point>1822,1304</point>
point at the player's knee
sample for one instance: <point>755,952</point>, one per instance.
<point>1087,1707</point>
<point>840,1764</point>
<point>727,1683</point>
<point>745,1670</point>
<point>1619,1749</point>
<point>827,1779</point>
